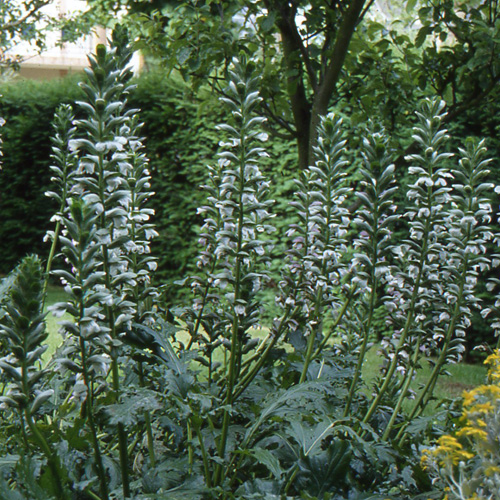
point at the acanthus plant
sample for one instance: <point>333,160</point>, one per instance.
<point>238,408</point>
<point>413,289</point>
<point>105,241</point>
<point>464,261</point>
<point>372,246</point>
<point>22,333</point>
<point>434,273</point>
<point>234,260</point>
<point>315,273</point>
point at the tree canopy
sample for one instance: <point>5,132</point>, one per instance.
<point>19,22</point>
<point>319,53</point>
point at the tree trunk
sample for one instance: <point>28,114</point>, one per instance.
<point>327,86</point>
<point>300,105</point>
<point>306,114</point>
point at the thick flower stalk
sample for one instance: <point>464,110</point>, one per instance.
<point>63,171</point>
<point>412,290</point>
<point>468,234</point>
<point>22,331</point>
<point>140,230</point>
<point>83,354</point>
<point>234,263</point>
<point>374,224</point>
<point>112,181</point>
<point>315,270</point>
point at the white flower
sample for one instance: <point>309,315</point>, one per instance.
<point>240,310</point>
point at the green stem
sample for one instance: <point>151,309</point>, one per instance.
<point>235,350</point>
<point>92,495</point>
<point>52,459</point>
<point>292,475</point>
<point>50,258</point>
<point>333,328</point>
<point>407,327</point>
<point>204,455</point>
<point>404,391</point>
<point>189,433</point>
<point>250,375</point>
<point>426,393</point>
<point>309,352</point>
<point>89,413</point>
<point>147,421</point>
<point>362,352</point>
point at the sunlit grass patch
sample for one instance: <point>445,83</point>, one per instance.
<point>54,339</point>
<point>461,377</point>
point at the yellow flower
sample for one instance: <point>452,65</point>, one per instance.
<point>494,370</point>
<point>448,442</point>
<point>469,397</point>
<point>492,469</point>
<point>481,408</point>
<point>481,422</point>
<point>493,359</point>
<point>473,433</point>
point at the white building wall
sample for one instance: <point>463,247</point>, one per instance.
<point>59,60</point>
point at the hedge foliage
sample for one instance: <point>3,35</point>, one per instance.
<point>28,108</point>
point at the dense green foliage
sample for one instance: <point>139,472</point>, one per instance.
<point>370,59</point>
<point>142,401</point>
<point>26,143</point>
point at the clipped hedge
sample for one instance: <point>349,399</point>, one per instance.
<point>28,108</point>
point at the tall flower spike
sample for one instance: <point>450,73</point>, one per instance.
<point>413,289</point>
<point>83,353</point>
<point>63,157</point>
<point>140,230</point>
<point>239,218</point>
<point>102,178</point>
<point>373,244</point>
<point>468,233</point>
<point>108,159</point>
<point>63,173</point>
<point>236,226</point>
<point>315,270</point>
<point>23,331</point>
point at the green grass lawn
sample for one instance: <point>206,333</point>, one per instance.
<point>54,294</point>
<point>463,376</point>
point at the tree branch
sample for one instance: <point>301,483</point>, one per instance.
<point>13,24</point>
<point>288,28</point>
<point>454,111</point>
<point>277,119</point>
<point>365,10</point>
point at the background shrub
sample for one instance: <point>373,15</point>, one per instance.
<point>28,109</point>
